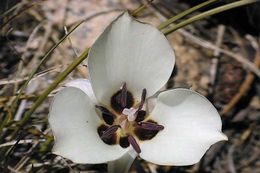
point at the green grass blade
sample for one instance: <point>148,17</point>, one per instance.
<point>185,13</point>
<point>207,14</point>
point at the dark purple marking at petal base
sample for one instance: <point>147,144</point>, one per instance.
<point>123,142</point>
<point>109,141</point>
<point>116,103</point>
<point>107,116</point>
<point>145,134</point>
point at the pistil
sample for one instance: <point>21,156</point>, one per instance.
<point>130,113</point>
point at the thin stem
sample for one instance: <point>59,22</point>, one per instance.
<point>22,3</point>
<point>207,14</point>
<point>141,8</point>
<point>185,13</point>
<point>11,9</point>
<point>16,15</point>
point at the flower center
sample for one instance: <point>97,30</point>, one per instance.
<point>126,123</point>
<point>130,113</point>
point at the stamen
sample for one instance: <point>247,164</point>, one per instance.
<point>143,97</point>
<point>134,144</point>
<point>108,117</point>
<point>111,140</point>
<point>104,110</point>
<point>150,126</point>
<point>110,131</point>
<point>123,99</point>
<point>123,142</point>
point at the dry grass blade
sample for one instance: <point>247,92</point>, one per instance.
<point>16,15</point>
<point>246,63</point>
<point>46,92</point>
<point>43,60</point>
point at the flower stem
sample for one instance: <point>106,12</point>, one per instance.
<point>123,164</point>
<point>185,13</point>
<point>207,14</point>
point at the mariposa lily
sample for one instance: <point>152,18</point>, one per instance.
<point>120,111</point>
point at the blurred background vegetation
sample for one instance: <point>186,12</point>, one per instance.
<point>218,57</point>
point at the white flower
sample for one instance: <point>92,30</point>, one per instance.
<point>128,64</point>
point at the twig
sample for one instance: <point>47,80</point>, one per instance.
<point>215,59</point>
<point>16,15</point>
<point>46,92</point>
<point>244,88</point>
<point>26,158</point>
<point>40,74</point>
<point>152,168</point>
<point>12,170</point>
<point>206,44</point>
<point>25,141</point>
<point>70,42</point>
<point>230,159</point>
<point>245,63</point>
<point>12,81</point>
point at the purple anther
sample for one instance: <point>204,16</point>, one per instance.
<point>150,126</point>
<point>143,97</point>
<point>103,110</point>
<point>123,99</point>
<point>134,144</point>
<point>109,131</point>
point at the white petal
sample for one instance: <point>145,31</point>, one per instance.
<point>191,126</point>
<point>132,52</point>
<point>74,123</point>
<point>84,85</point>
